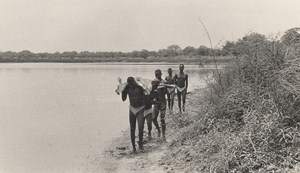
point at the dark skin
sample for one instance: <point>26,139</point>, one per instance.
<point>163,90</point>
<point>136,94</point>
<point>170,79</point>
<point>181,81</point>
<point>152,98</point>
<point>154,95</point>
<point>182,78</point>
<point>160,107</point>
<point>136,99</point>
<point>158,75</point>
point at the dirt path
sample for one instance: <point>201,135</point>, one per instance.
<point>118,157</point>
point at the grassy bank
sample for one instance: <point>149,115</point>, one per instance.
<point>245,120</point>
<point>248,118</point>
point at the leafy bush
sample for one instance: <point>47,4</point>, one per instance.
<point>251,120</point>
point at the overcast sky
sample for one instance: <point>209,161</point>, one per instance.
<point>127,25</point>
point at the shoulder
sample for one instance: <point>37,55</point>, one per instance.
<point>140,87</point>
<point>156,92</point>
<point>153,92</point>
<point>125,90</point>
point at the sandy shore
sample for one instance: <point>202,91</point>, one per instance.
<point>117,157</point>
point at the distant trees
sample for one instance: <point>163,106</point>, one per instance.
<point>135,54</point>
<point>171,51</point>
<point>189,50</point>
<point>203,50</point>
<point>248,45</point>
<point>174,50</point>
<point>143,53</point>
<point>71,55</point>
<point>229,48</point>
<point>163,53</point>
<point>25,54</point>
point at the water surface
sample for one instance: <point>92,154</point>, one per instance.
<point>55,116</point>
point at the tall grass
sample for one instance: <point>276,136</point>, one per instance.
<point>250,119</point>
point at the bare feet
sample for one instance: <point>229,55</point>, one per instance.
<point>149,136</point>
<point>134,151</point>
<point>141,148</point>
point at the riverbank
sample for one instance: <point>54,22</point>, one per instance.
<point>230,126</point>
<point>118,158</point>
<point>247,121</point>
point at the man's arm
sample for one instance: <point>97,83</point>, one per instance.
<point>166,90</point>
<point>165,87</point>
<point>186,81</point>
<point>155,96</point>
<point>124,94</point>
<point>175,79</point>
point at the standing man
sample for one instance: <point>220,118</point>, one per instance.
<point>152,98</point>
<point>170,79</point>
<point>136,110</point>
<point>160,106</point>
<point>181,81</point>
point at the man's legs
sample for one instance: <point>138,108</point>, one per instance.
<point>172,95</point>
<point>169,101</point>
<point>162,118</point>
<point>149,124</point>
<point>155,115</point>
<point>183,99</point>
<point>132,121</point>
<point>179,100</point>
<point>141,120</point>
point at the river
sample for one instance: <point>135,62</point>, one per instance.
<point>54,116</point>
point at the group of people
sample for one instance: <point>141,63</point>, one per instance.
<point>140,108</point>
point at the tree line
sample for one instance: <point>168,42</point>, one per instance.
<point>229,48</point>
<point>170,51</point>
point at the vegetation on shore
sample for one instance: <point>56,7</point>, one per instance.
<point>172,54</point>
<point>248,120</point>
<point>199,60</point>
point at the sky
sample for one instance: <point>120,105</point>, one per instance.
<point>128,25</point>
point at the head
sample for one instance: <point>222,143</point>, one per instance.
<point>155,83</point>
<point>131,81</point>
<point>181,67</point>
<point>158,74</point>
<point>170,71</point>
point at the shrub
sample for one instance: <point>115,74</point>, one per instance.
<point>251,122</point>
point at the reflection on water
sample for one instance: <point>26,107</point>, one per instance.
<point>55,116</point>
